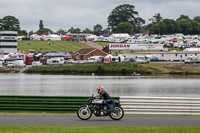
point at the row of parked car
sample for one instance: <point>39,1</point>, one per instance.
<point>61,61</point>
<point>91,60</point>
<point>14,63</point>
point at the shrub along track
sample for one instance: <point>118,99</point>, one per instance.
<point>172,68</point>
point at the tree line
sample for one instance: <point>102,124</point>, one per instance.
<point>122,19</point>
<point>183,25</point>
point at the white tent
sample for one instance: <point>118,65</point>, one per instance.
<point>92,37</point>
<point>52,37</point>
<point>123,35</point>
<point>34,37</point>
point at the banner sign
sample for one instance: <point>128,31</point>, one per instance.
<point>124,46</point>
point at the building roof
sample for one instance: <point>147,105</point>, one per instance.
<point>86,51</point>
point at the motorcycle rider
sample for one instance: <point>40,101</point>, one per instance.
<point>104,95</point>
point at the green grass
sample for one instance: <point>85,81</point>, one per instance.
<point>160,68</point>
<point>57,46</point>
<point>78,129</point>
<point>177,49</point>
<point>165,69</point>
<point>102,43</point>
<point>99,69</point>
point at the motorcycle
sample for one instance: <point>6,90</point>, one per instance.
<point>99,108</point>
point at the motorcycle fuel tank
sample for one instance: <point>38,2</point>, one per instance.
<point>97,101</point>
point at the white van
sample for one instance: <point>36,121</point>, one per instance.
<point>1,62</point>
<point>18,63</point>
<point>55,61</point>
<point>36,63</point>
<point>142,59</point>
<point>95,59</point>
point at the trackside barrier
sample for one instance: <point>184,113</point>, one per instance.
<point>43,103</point>
<point>160,105</point>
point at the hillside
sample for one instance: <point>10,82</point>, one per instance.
<point>50,46</point>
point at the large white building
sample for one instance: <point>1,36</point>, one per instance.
<point>165,56</point>
<point>8,42</point>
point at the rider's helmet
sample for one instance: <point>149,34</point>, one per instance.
<point>100,89</point>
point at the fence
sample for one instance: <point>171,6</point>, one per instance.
<point>131,105</point>
<point>160,105</point>
<point>42,103</point>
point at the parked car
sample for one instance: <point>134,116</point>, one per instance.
<point>1,64</point>
<point>72,61</point>
<point>95,59</point>
<point>10,64</point>
<point>152,58</point>
<point>43,60</point>
<point>191,59</point>
<point>142,59</point>
<point>19,63</point>
<point>128,60</point>
<point>36,63</point>
<point>82,62</point>
<point>114,59</point>
<point>55,61</point>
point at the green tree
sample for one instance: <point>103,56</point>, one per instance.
<point>22,33</point>
<point>158,28</point>
<point>31,32</point>
<point>41,26</point>
<point>106,32</point>
<point>195,26</point>
<point>156,18</point>
<point>170,26</point>
<point>183,17</point>
<point>87,30</point>
<point>98,29</point>
<point>197,19</point>
<point>124,27</point>
<point>61,31</point>
<point>74,30</point>
<point>9,23</point>
<point>184,26</point>
<point>125,13</point>
<point>43,31</point>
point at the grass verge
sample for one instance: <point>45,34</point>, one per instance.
<point>120,69</point>
<point>100,69</point>
<point>77,129</point>
<point>52,46</point>
<point>171,68</point>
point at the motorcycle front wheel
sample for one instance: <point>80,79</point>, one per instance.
<point>117,113</point>
<point>84,113</point>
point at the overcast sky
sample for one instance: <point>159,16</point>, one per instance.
<point>83,14</point>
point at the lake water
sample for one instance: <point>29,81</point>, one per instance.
<point>67,85</point>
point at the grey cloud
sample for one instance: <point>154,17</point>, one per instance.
<point>86,13</point>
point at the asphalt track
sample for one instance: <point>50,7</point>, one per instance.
<point>69,120</point>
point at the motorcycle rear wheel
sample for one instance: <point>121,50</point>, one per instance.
<point>84,113</point>
<point>117,113</point>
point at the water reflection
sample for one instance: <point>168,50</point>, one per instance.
<point>61,85</point>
